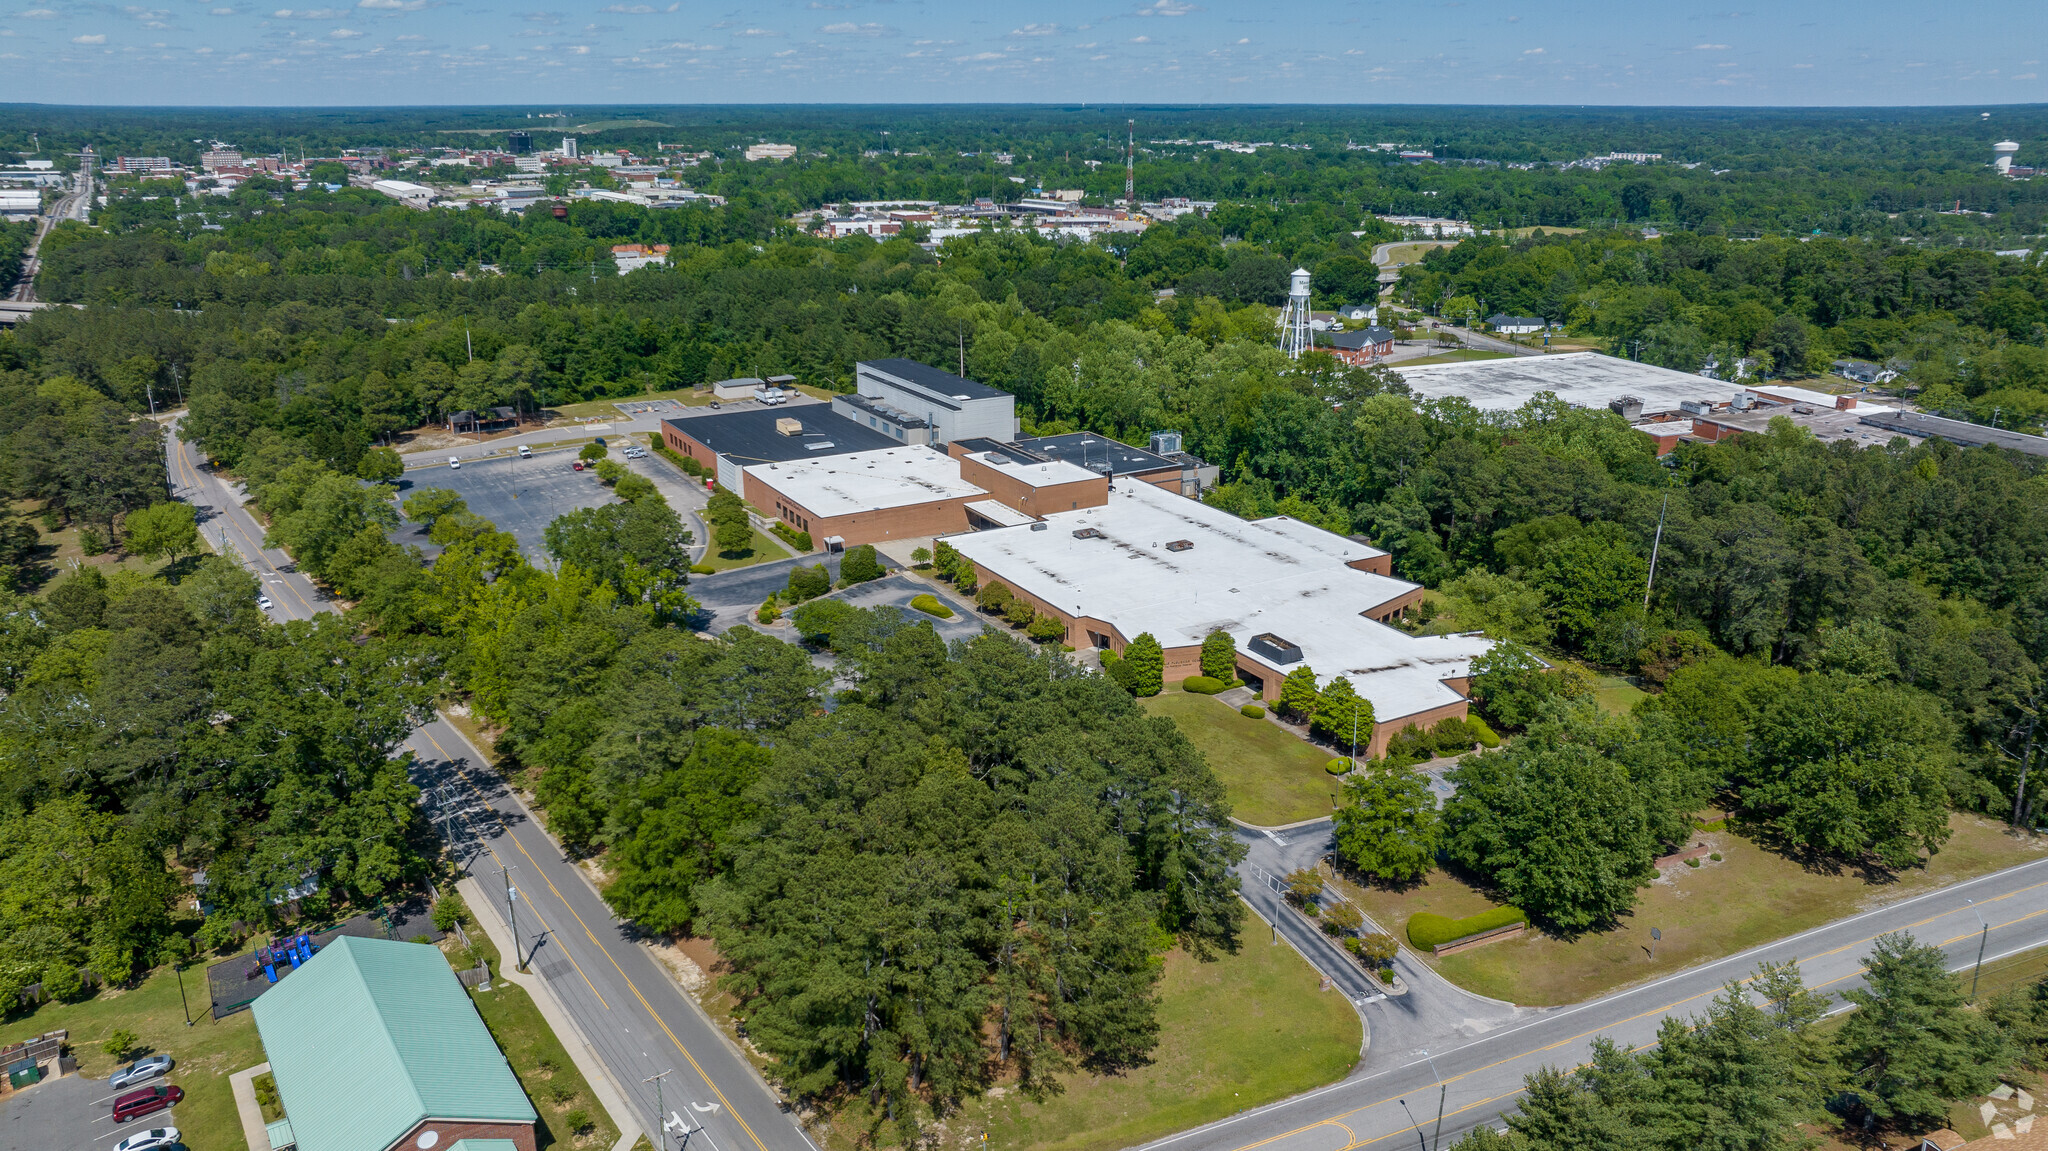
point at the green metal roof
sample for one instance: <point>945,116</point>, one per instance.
<point>371,1036</point>
<point>280,1134</point>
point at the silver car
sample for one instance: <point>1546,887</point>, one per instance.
<point>140,1071</point>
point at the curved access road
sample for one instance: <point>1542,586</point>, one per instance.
<point>1477,1050</point>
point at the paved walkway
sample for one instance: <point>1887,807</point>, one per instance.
<point>243,1083</point>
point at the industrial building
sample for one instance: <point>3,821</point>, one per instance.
<point>918,404</point>
<point>374,1045</point>
<point>1290,595</point>
<point>867,497</point>
<point>1584,379</point>
<point>1165,465</point>
<point>727,443</point>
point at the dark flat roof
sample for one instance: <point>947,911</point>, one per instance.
<point>1095,453</point>
<point>1362,338</point>
<point>750,437</point>
<point>925,376</point>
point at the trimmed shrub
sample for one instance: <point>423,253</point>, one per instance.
<point>1252,711</point>
<point>1203,685</point>
<point>1426,930</point>
<point>1481,733</point>
<point>1045,629</point>
<point>770,611</point>
<point>702,569</point>
<point>809,582</point>
<point>801,541</point>
<point>1019,612</point>
<point>1338,766</point>
<point>929,604</point>
<point>860,565</point>
<point>1219,656</point>
<point>1716,857</point>
<point>993,597</point>
<point>1694,862</point>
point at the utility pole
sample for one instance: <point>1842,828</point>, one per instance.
<point>660,1112</point>
<point>512,917</point>
<point>1443,1091</point>
<point>1654,545</point>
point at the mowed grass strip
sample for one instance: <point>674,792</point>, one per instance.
<point>1272,777</point>
<point>1236,1031</point>
<point>1750,896</point>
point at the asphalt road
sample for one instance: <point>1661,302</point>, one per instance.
<point>1481,1048</point>
<point>628,1009</point>
<point>231,530</point>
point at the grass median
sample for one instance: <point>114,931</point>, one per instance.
<point>1272,776</point>
<point>1747,897</point>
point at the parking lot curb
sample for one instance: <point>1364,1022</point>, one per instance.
<point>572,1037</point>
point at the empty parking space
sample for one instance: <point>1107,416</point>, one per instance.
<point>71,1114</point>
<point>521,496</point>
<point>649,407</point>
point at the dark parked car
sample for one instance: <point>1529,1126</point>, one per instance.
<point>145,1101</point>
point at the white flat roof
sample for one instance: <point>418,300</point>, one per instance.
<point>1583,379</point>
<point>1794,395</point>
<point>867,481</point>
<point>1037,475</point>
<point>1666,428</point>
<point>996,511</point>
<point>1273,575</point>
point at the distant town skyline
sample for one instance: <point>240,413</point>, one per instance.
<point>403,52</point>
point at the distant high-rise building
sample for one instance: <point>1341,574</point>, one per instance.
<point>519,143</point>
<point>569,147</point>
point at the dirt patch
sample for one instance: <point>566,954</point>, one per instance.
<point>685,969</point>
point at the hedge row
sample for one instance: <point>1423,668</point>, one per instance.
<point>929,604</point>
<point>1203,685</point>
<point>1427,931</point>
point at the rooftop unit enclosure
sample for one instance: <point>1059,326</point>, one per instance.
<point>954,407</point>
<point>1627,407</point>
<point>1274,649</point>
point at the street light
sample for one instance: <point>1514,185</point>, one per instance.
<point>1443,1091</point>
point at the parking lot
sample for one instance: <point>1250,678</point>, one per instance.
<point>520,496</point>
<point>72,1114</point>
<point>649,407</point>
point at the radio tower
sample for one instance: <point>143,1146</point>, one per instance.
<point>1131,165</point>
<point>1294,339</point>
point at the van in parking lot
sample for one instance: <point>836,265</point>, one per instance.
<point>525,453</point>
<point>146,1101</point>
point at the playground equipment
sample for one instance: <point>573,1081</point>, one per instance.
<point>288,954</point>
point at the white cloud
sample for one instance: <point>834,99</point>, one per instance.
<point>757,32</point>
<point>580,49</point>
<point>409,36</point>
<point>1168,8</point>
<point>308,14</point>
<point>220,11</point>
<point>343,34</point>
<point>1036,30</point>
<point>37,14</point>
<point>849,28</point>
<point>95,38</point>
<point>1141,39</point>
<point>1532,51</point>
<point>397,5</point>
<point>687,46</point>
<point>628,9</point>
<point>979,56</point>
<point>1710,47</point>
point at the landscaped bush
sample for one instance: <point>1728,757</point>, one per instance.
<point>860,565</point>
<point>1045,628</point>
<point>1019,612</point>
<point>1203,685</point>
<point>801,541</point>
<point>702,569</point>
<point>929,604</point>
<point>1252,711</point>
<point>808,582</point>
<point>1481,733</point>
<point>994,596</point>
<point>1338,766</point>
<point>1426,930</point>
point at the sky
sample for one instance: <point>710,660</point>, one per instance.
<point>516,52</point>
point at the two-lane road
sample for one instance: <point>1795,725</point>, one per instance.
<point>1482,1049</point>
<point>627,1008</point>
<point>232,531</point>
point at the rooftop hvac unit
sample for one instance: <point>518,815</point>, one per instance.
<point>1627,407</point>
<point>1087,533</point>
<point>1180,545</point>
<point>1039,526</point>
<point>1165,443</point>
<point>1744,401</point>
<point>789,426</point>
<point>1696,407</point>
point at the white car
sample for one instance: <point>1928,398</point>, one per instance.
<point>454,463</point>
<point>263,601</point>
<point>525,453</point>
<point>151,1066</point>
<point>149,1140</point>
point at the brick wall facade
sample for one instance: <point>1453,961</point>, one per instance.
<point>1035,501</point>
<point>939,517</point>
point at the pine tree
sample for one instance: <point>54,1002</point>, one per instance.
<point>1219,656</point>
<point>1298,694</point>
<point>1343,717</point>
<point>1912,1045</point>
<point>1145,664</point>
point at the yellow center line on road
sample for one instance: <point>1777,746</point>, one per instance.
<point>256,547</point>
<point>599,944</point>
<point>1666,1009</point>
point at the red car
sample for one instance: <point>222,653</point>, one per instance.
<point>576,465</point>
<point>145,1101</point>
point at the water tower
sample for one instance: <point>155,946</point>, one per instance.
<point>1294,320</point>
<point>2002,154</point>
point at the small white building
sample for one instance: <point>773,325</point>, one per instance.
<point>770,151</point>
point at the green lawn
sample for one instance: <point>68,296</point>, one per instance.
<point>1458,356</point>
<point>207,1052</point>
<point>760,549</point>
<point>1235,1032</point>
<point>1748,897</point>
<point>1616,694</point>
<point>1273,778</point>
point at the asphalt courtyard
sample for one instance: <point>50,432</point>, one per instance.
<point>520,496</point>
<point>71,1114</point>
